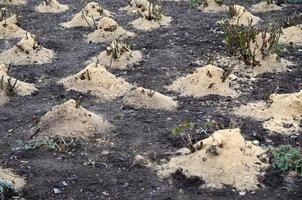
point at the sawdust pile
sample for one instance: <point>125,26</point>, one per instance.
<point>292,34</point>
<point>149,99</point>
<point>211,6</point>
<point>263,6</point>
<point>136,6</point>
<point>51,6</point>
<point>282,113</point>
<point>70,120</point>
<point>117,56</point>
<point>224,159</point>
<point>96,80</point>
<point>88,16</point>
<point>13,2</point>
<point>108,30</point>
<point>8,175</point>
<point>9,28</point>
<point>6,82</point>
<point>27,51</point>
<point>243,17</point>
<point>204,81</point>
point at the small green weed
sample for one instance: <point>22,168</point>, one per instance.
<point>287,158</point>
<point>52,144</point>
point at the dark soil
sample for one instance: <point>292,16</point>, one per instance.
<point>168,53</point>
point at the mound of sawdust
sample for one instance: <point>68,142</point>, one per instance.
<point>96,80</point>
<point>137,6</point>
<point>108,30</point>
<point>212,6</point>
<point>8,175</point>
<point>204,81</point>
<point>88,16</point>
<point>51,6</point>
<point>126,58</point>
<point>243,17</point>
<point>292,34</point>
<point>70,120</point>
<point>263,6</point>
<point>9,28</point>
<point>144,24</point>
<point>13,2</point>
<point>27,51</point>
<point>282,114</point>
<point>144,98</point>
<point>21,88</point>
<point>224,159</point>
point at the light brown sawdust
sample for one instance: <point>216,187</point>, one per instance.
<point>204,81</point>
<point>88,16</point>
<point>292,34</point>
<point>144,24</point>
<point>212,7</point>
<point>13,2</point>
<point>27,51</point>
<point>96,80</point>
<point>70,120</point>
<point>126,59</point>
<point>108,30</point>
<point>236,163</point>
<point>52,7</point>
<point>9,28</point>
<point>136,6</point>
<point>9,175</point>
<point>149,99</point>
<point>244,17</point>
<point>263,6</point>
<point>282,113</point>
<point>22,88</point>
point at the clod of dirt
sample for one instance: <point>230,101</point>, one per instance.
<point>98,81</point>
<point>88,16</point>
<point>211,6</point>
<point>27,51</point>
<point>243,17</point>
<point>21,88</point>
<point>225,159</point>
<point>9,28</point>
<point>51,6</point>
<point>292,34</point>
<point>263,6</point>
<point>145,24</point>
<point>117,56</point>
<point>149,99</point>
<point>136,6</point>
<point>204,81</point>
<point>108,30</point>
<point>8,175</point>
<point>70,120</point>
<point>282,113</point>
<point>13,2</point>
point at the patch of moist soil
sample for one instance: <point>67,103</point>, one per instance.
<point>168,53</point>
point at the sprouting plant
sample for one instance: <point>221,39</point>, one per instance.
<point>116,50</point>
<point>9,86</point>
<point>85,17</point>
<point>232,11</point>
<point>153,12</point>
<point>6,188</point>
<point>241,41</point>
<point>56,143</point>
<point>47,2</point>
<point>184,131</point>
<point>287,158</point>
<point>293,20</point>
<point>4,14</point>
<point>195,3</point>
<point>269,2</point>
